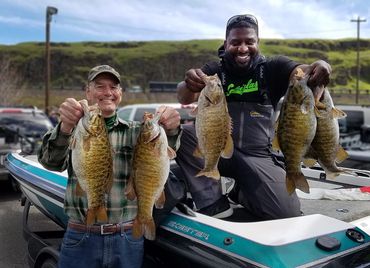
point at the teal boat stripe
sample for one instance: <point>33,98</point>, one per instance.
<point>57,210</point>
<point>42,173</point>
<point>289,255</point>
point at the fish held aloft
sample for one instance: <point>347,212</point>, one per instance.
<point>92,161</point>
<point>213,127</point>
<point>325,147</point>
<point>296,129</point>
<point>150,169</point>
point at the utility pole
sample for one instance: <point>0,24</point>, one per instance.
<point>49,12</point>
<point>358,20</point>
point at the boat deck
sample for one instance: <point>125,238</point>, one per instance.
<point>343,210</point>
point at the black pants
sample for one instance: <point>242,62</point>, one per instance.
<point>260,178</point>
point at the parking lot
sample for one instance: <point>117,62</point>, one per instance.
<point>13,248</point>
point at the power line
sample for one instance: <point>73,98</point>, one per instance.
<point>358,20</point>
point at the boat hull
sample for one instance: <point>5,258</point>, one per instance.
<point>210,242</point>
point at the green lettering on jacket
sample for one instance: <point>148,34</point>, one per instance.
<point>240,90</point>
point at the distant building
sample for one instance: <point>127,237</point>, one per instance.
<point>157,86</point>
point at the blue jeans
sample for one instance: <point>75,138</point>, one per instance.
<point>90,250</point>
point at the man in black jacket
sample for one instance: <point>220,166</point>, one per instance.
<point>253,85</point>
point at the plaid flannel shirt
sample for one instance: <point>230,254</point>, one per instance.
<point>55,155</point>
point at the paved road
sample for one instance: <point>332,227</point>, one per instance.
<point>13,248</point>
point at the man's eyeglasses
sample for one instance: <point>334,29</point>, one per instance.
<point>238,18</point>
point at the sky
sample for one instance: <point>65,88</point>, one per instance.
<point>147,20</point>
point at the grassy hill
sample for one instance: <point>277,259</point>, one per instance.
<point>141,62</point>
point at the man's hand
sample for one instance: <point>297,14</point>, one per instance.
<point>170,119</point>
<point>70,113</point>
<point>319,72</point>
<point>194,80</point>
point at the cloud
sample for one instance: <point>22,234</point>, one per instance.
<point>117,20</point>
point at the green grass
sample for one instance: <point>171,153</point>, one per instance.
<point>141,62</point>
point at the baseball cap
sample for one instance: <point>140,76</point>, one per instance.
<point>94,72</point>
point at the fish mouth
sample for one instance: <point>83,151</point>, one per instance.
<point>154,132</point>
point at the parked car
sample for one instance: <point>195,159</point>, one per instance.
<point>21,130</point>
<point>135,112</point>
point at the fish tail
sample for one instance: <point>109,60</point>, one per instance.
<point>341,155</point>
<point>137,229</point>
<point>215,174</point>
<point>296,181</point>
<point>149,229</point>
<point>348,171</point>
<point>332,175</point>
<point>146,228</point>
<point>97,214</point>
<point>197,153</point>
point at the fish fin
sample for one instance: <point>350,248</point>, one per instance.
<point>332,175</point>
<point>215,174</point>
<point>275,141</point>
<point>149,229</point>
<point>297,181</point>
<point>130,189</point>
<point>72,144</point>
<point>171,153</point>
<point>137,229</point>
<point>91,216</point>
<point>290,185</point>
<point>159,203</point>
<point>316,111</point>
<point>197,152</point>
<point>309,162</point>
<point>319,105</point>
<point>304,110</point>
<point>275,144</point>
<point>101,214</point>
<point>98,214</point>
<point>230,124</point>
<point>337,113</point>
<point>86,144</point>
<point>79,190</point>
<point>341,155</point>
<point>229,148</point>
<point>194,112</point>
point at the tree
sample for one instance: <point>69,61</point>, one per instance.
<point>10,86</point>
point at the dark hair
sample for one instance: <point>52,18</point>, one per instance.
<point>239,21</point>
